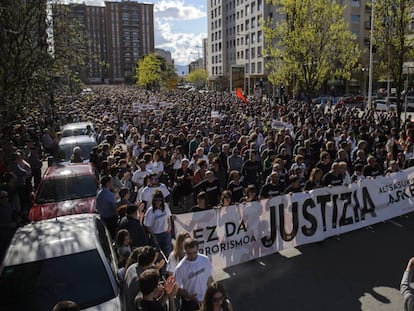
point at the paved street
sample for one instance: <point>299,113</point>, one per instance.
<point>360,271</point>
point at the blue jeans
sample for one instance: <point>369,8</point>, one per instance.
<point>164,242</point>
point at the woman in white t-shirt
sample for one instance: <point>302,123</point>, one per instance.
<point>158,222</point>
<point>178,252</point>
<point>156,166</point>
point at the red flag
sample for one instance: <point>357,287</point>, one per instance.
<point>240,95</point>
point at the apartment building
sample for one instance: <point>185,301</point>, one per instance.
<point>236,41</point>
<point>119,33</point>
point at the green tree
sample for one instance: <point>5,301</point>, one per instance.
<point>310,44</point>
<point>169,77</point>
<point>23,55</point>
<point>391,29</point>
<point>148,71</point>
<point>72,52</point>
<point>198,77</point>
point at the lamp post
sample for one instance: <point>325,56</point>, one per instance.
<point>364,91</point>
<point>371,57</point>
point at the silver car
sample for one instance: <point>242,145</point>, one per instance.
<point>84,142</point>
<point>66,258</point>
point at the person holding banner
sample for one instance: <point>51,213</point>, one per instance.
<point>405,288</point>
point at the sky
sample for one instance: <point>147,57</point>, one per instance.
<point>180,26</point>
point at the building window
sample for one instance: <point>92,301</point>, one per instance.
<point>355,3</point>
<point>259,36</point>
<point>254,22</point>
<point>259,67</point>
<point>355,19</point>
<point>253,67</point>
<point>259,5</point>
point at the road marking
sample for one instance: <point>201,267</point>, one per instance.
<point>290,252</point>
<point>396,223</point>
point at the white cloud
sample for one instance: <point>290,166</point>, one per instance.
<point>182,45</point>
<point>176,9</point>
<point>167,35</point>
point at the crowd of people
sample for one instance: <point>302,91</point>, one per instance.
<point>162,153</point>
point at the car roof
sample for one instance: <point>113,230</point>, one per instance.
<point>68,169</point>
<point>77,125</point>
<point>71,140</point>
<point>53,237</point>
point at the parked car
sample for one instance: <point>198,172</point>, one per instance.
<point>323,99</point>
<point>382,105</point>
<point>65,258</point>
<point>64,190</point>
<point>78,128</point>
<point>85,142</point>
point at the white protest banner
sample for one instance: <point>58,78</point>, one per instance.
<point>280,125</point>
<point>137,107</point>
<point>246,231</point>
<point>215,114</point>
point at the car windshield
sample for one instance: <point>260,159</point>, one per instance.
<point>76,132</point>
<point>68,188</point>
<point>67,150</point>
<point>39,285</point>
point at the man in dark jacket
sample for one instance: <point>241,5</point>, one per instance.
<point>133,223</point>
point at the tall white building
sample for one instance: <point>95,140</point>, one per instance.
<point>235,43</point>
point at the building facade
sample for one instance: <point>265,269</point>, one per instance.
<point>119,34</point>
<point>166,55</point>
<point>235,42</point>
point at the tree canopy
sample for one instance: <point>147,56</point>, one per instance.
<point>309,44</point>
<point>198,77</point>
<point>153,70</point>
<point>23,54</point>
<point>394,44</point>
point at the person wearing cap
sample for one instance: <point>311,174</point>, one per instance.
<point>201,203</point>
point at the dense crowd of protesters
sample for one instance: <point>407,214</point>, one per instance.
<point>168,152</point>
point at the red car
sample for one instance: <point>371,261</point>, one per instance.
<point>65,190</point>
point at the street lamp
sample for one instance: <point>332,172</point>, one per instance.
<point>365,84</point>
<point>371,57</point>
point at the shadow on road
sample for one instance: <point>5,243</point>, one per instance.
<point>360,270</point>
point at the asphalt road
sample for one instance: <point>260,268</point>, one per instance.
<point>361,270</point>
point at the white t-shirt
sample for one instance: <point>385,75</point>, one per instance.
<point>193,275</point>
<point>157,220</point>
<point>148,191</point>
<point>172,263</point>
<point>138,177</point>
<point>156,167</point>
